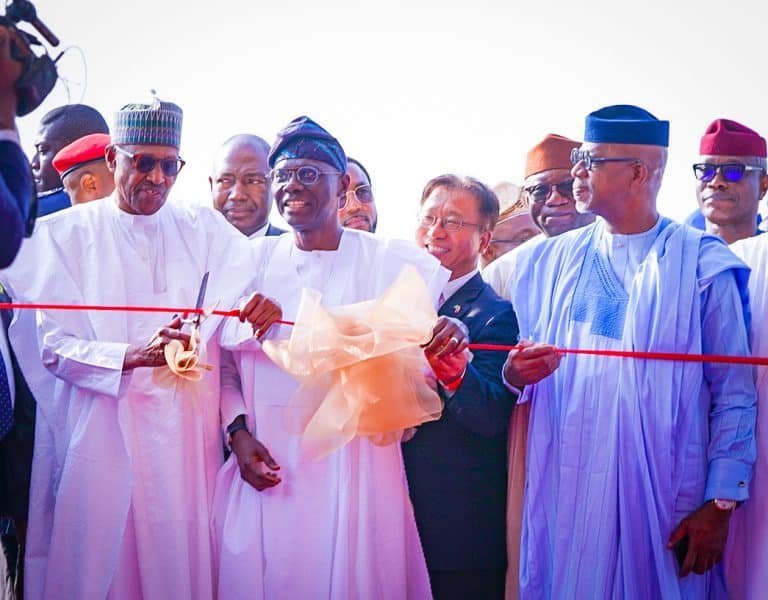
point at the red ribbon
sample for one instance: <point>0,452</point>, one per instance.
<point>712,358</point>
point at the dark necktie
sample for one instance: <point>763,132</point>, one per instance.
<point>6,407</point>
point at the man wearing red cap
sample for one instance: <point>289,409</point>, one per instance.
<point>83,168</point>
<point>731,179</point>
<point>548,188</point>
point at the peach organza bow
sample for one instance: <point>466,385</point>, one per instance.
<point>361,367</point>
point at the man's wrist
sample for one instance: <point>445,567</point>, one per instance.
<point>453,385</point>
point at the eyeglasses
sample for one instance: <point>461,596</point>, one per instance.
<point>362,193</point>
<point>731,172</point>
<point>306,175</point>
<point>145,163</point>
<point>447,223</point>
<point>248,180</point>
<point>543,191</point>
<point>590,161</point>
<point>515,241</point>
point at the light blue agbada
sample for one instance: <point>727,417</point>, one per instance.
<point>621,450</point>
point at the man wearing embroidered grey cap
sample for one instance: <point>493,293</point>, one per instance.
<point>634,466</point>
<point>125,467</point>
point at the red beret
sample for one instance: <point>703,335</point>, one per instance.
<point>724,137</point>
<point>86,149</point>
<point>553,152</point>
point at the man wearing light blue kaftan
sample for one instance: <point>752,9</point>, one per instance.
<point>621,450</point>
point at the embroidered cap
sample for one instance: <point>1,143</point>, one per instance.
<point>156,124</point>
<point>625,124</point>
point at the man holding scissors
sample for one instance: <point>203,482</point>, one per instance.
<point>127,452</point>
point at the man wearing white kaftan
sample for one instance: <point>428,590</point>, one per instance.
<point>625,455</point>
<point>123,482</point>
<point>341,526</point>
<point>746,557</point>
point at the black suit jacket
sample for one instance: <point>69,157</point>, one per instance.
<point>272,230</point>
<point>16,446</point>
<point>457,465</point>
<point>15,195</point>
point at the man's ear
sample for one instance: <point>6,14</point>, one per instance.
<point>763,186</point>
<point>110,155</point>
<point>210,182</point>
<point>88,182</point>
<point>485,241</point>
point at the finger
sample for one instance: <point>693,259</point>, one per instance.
<point>678,534</point>
<point>252,302</point>
<point>272,317</point>
<point>538,351</point>
<point>688,563</point>
<point>260,480</point>
<point>261,453</point>
<point>166,335</point>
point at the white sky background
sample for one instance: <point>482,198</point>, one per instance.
<point>417,89</point>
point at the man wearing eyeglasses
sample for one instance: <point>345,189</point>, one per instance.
<point>548,189</point>
<point>632,464</point>
<point>731,179</point>
<point>457,465</point>
<point>240,185</point>
<point>341,526</point>
<point>126,452</point>
<point>358,210</point>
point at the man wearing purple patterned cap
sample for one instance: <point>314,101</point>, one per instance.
<point>127,451</point>
<point>731,179</point>
<point>634,466</point>
<point>288,526</point>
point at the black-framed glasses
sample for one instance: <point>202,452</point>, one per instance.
<point>731,172</point>
<point>447,223</point>
<point>145,163</point>
<point>363,193</point>
<point>541,192</point>
<point>249,180</point>
<point>590,161</point>
<point>305,175</point>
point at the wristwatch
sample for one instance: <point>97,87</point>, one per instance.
<point>232,429</point>
<point>728,505</point>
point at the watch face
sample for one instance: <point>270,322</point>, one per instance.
<point>725,504</point>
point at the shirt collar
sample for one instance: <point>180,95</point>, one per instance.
<point>454,285</point>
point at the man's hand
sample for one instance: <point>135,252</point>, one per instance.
<point>707,531</point>
<point>251,455</point>
<point>445,351</point>
<point>261,312</point>
<point>531,364</point>
<point>152,354</point>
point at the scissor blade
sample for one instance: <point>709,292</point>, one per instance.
<point>201,295</point>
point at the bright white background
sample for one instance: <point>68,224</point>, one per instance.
<point>416,89</point>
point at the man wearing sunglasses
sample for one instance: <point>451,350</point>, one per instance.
<point>341,526</point>
<point>127,452</point>
<point>548,192</point>
<point>731,179</point>
<point>358,209</point>
<point>632,464</point>
<point>240,185</point>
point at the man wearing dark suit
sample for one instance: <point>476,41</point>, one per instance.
<point>16,441</point>
<point>58,128</point>
<point>240,185</point>
<point>457,465</point>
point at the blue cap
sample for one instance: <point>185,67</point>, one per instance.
<point>625,124</point>
<point>303,138</point>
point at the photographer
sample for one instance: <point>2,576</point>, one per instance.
<point>15,176</point>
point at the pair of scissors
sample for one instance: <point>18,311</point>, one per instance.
<point>195,318</point>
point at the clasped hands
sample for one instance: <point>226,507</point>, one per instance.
<point>261,312</point>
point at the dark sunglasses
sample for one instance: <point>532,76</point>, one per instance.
<point>145,163</point>
<point>542,192</point>
<point>731,172</point>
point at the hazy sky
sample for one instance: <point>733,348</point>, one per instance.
<point>416,89</point>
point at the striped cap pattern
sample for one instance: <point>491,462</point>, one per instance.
<point>157,124</point>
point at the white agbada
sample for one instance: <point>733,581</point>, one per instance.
<point>122,486</point>
<point>341,527</point>
<point>746,556</point>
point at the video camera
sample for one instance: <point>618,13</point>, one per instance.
<point>38,75</point>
